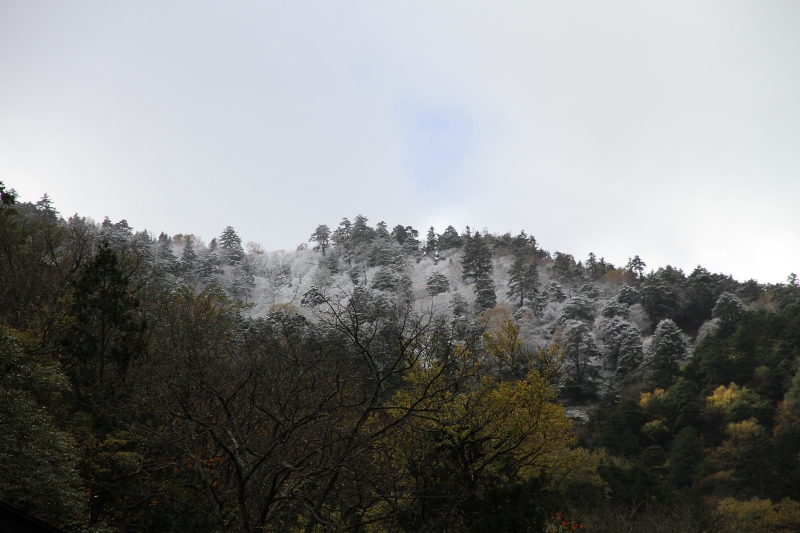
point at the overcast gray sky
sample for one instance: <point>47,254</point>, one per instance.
<point>670,130</point>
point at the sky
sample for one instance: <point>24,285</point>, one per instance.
<point>668,130</point>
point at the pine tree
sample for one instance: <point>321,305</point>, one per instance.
<point>523,279</point>
<point>166,259</point>
<point>636,267</point>
<point>485,297</point>
<point>628,295</point>
<point>630,353</point>
<point>449,239</point>
<point>667,349</point>
<point>431,247</point>
<point>477,260</point>
<point>106,333</point>
<point>189,258</point>
<point>580,347</point>
<point>321,236</point>
<point>208,267</point>
<point>437,284</point>
<point>231,245</point>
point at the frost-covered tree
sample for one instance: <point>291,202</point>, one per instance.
<point>431,245</point>
<point>563,266</point>
<point>341,235</point>
<point>614,309</point>
<point>628,295</point>
<point>388,279</point>
<point>449,239</point>
<point>590,290</point>
<point>231,245</point>
<point>630,354</point>
<point>667,348</point>
<point>523,281</point>
<point>167,261</point>
<point>579,307</point>
<point>636,266</point>
<point>458,304</point>
<point>579,346</point>
<point>437,284</point>
<point>321,236</point>
<point>477,260</point>
<point>729,310</point>
<point>485,297</point>
<point>406,236</point>
<point>189,258</point>
<point>361,233</point>
<point>243,280</point>
<point>555,292</point>
<point>208,265</point>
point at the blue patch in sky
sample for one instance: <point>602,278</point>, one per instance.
<point>439,141</point>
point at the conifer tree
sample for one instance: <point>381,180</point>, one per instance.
<point>166,259</point>
<point>431,247</point>
<point>231,245</point>
<point>523,282</point>
<point>485,297</point>
<point>477,260</point>
<point>189,258</point>
<point>321,236</point>
<point>580,347</point>
<point>449,239</point>
<point>437,284</point>
<point>667,349</point>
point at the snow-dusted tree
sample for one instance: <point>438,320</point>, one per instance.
<point>523,280</point>
<point>382,230</point>
<point>361,233</point>
<point>628,295</point>
<point>555,292</point>
<point>636,267</point>
<point>579,346</point>
<point>243,280</point>
<point>613,309</point>
<point>312,297</point>
<point>477,260</point>
<point>667,348</point>
<point>189,258</point>
<point>590,290</point>
<point>563,266</point>
<point>618,333</point>
<point>729,310</point>
<point>579,307</point>
<point>341,235</point>
<point>449,239</point>
<point>630,354</point>
<point>437,284</point>
<point>321,236</point>
<point>406,236</point>
<point>431,244</point>
<point>485,297</point>
<point>231,245</point>
<point>167,260</point>
<point>458,304</point>
<point>388,279</point>
<point>208,266</point>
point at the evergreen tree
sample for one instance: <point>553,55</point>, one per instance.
<point>579,346</point>
<point>189,258</point>
<point>667,348</point>
<point>106,333</point>
<point>636,267</point>
<point>166,259</point>
<point>593,267</point>
<point>563,266</point>
<point>431,244</point>
<point>449,239</point>
<point>628,295</point>
<point>321,236</point>
<point>341,236</point>
<point>485,297</point>
<point>631,354</point>
<point>231,245</point>
<point>555,292</point>
<point>208,267</point>
<point>684,457</point>
<point>361,233</point>
<point>523,279</point>
<point>437,284</point>
<point>477,260</point>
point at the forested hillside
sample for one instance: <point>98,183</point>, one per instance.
<point>383,379</point>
